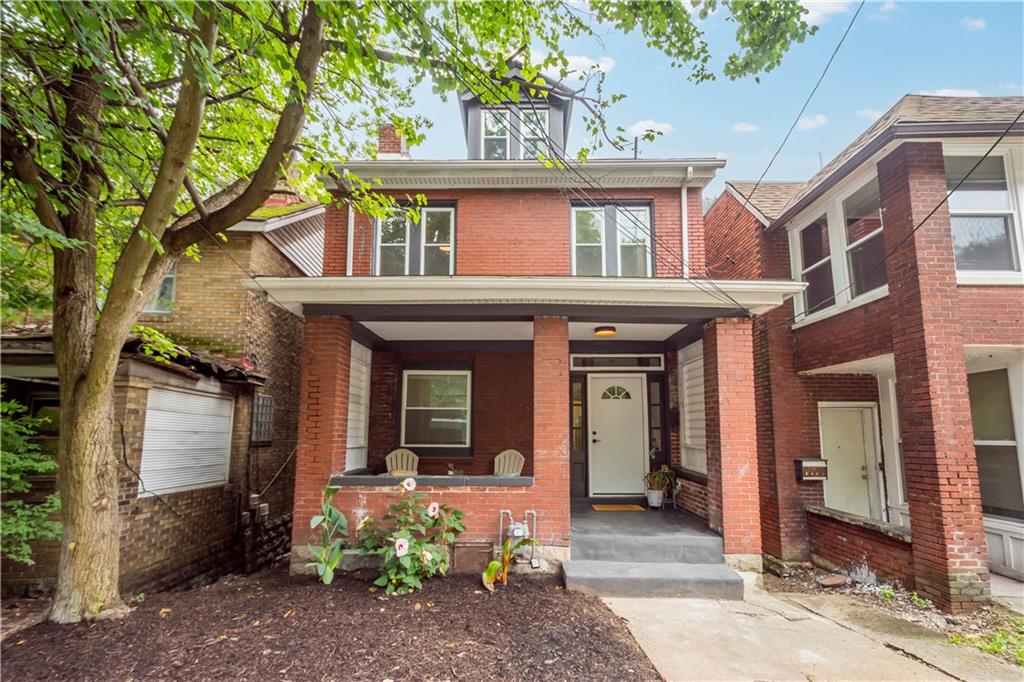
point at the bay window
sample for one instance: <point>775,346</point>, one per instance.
<point>981,215</point>
<point>612,240</point>
<point>423,247</point>
<point>496,134</point>
<point>436,408</point>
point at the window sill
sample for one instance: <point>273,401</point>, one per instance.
<point>981,278</point>
<point>894,532</point>
<point>366,480</point>
<point>691,475</point>
<point>863,299</point>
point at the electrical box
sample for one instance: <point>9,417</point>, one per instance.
<point>811,469</point>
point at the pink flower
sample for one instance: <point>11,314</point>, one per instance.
<point>432,510</point>
<point>401,547</point>
<point>409,484</point>
<point>427,557</point>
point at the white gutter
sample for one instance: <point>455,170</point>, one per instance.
<point>685,220</point>
<point>350,240</point>
<point>755,296</point>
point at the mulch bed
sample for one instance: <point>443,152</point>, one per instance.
<point>274,626</point>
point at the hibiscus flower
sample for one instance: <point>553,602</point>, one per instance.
<point>409,484</point>
<point>427,557</point>
<point>401,547</point>
<point>432,509</point>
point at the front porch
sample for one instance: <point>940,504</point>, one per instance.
<point>459,382</point>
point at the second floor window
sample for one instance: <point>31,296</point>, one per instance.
<point>426,247</point>
<point>496,134</point>
<point>535,133</point>
<point>865,251</point>
<point>816,258</point>
<point>981,215</point>
<point>163,302</point>
<point>611,240</point>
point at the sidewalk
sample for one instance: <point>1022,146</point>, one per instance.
<point>795,637</point>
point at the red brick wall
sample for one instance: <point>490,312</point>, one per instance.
<point>853,546</point>
<point>931,383</point>
<point>502,415</point>
<point>861,332</point>
<point>992,315</point>
<point>733,239</point>
<point>695,237</point>
<point>521,232</point>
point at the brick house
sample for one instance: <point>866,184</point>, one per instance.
<point>211,433</point>
<point>905,373</point>
<point>524,309</point>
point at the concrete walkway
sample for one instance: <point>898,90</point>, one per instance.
<point>1008,592</point>
<point>795,637</point>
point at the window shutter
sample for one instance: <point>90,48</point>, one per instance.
<point>187,441</point>
<point>358,407</point>
<point>691,392</point>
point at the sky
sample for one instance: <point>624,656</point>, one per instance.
<point>894,48</point>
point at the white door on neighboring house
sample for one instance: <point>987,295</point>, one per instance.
<point>358,407</point>
<point>848,443</point>
<point>617,433</point>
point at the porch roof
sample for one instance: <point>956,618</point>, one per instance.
<point>509,298</point>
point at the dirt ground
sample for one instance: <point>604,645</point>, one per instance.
<point>274,626</point>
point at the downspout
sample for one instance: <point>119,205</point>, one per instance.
<point>349,238</point>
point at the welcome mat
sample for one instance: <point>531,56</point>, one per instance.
<point>617,507</point>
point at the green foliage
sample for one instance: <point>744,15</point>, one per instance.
<point>412,540</point>
<point>1004,638</point>
<point>333,528</point>
<point>664,480</point>
<point>157,345</point>
<point>499,570</point>
<point>888,593</point>
<point>919,601</point>
<point>21,459</point>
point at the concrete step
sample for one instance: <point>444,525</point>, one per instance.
<point>628,579</point>
<point>680,548</point>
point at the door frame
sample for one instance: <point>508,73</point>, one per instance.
<point>872,459</point>
<point>644,432</point>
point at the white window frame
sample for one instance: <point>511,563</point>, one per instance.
<point>648,251</point>
<point>484,136</point>
<point>405,443</point>
<point>151,308</point>
<point>1015,379</point>
<point>377,244</point>
<point>687,357</point>
<point>1013,166</point>
<point>572,238</point>
<point>848,261</point>
<point>528,130</point>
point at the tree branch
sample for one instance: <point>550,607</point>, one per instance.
<point>20,163</point>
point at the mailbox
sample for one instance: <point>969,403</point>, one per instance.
<point>811,469</point>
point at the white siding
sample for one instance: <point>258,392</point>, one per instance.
<point>302,242</point>
<point>187,441</point>
<point>358,407</point>
<point>691,396</point>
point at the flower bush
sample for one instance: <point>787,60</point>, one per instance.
<point>412,539</point>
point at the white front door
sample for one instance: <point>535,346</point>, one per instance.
<point>847,442</point>
<point>617,433</point>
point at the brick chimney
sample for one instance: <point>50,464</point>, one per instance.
<point>390,145</point>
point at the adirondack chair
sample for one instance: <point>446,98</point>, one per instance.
<point>509,463</point>
<point>402,462</point>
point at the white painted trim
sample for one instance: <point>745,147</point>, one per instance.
<point>508,131</point>
<point>824,314</point>
<point>423,237</point>
<point>645,410</point>
<point>525,133</point>
<point>350,239</point>
<point>599,210</point>
<point>685,220</point>
<point>648,235</point>
<point>469,406</point>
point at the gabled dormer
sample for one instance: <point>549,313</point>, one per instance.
<point>517,130</point>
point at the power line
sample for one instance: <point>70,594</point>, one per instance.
<point>807,101</point>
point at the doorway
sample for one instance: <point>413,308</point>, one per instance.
<point>849,442</point>
<point>617,433</point>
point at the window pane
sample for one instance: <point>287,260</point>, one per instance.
<point>535,123</point>
<point>589,226</point>
<point>495,148</point>
<point>495,123</point>
<point>588,260</point>
<point>438,227</point>
<point>984,189</point>
<point>163,302</point>
<point>991,414</point>
<point>437,390</point>
<point>819,293</point>
<point>867,267</point>
<point>814,245</point>
<point>392,260</point>
<point>633,261</point>
<point>392,230</point>
<point>862,212</point>
<point>533,147</point>
<point>983,243</point>
<point>436,427</point>
<point>999,475</point>
<point>437,260</point>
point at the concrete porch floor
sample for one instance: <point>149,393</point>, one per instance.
<point>584,520</point>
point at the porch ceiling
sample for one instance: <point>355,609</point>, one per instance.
<point>511,331</point>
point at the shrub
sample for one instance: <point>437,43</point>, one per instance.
<point>20,459</point>
<point>333,528</point>
<point>411,539</point>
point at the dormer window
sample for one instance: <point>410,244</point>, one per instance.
<point>535,133</point>
<point>496,134</point>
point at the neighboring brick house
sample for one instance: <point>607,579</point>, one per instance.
<point>213,433</point>
<point>906,372</point>
<point>530,309</point>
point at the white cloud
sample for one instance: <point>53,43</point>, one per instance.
<point>819,11</point>
<point>952,92</point>
<point>580,66</point>
<point>973,23</point>
<point>812,122</point>
<point>640,128</point>
<point>887,7</point>
<point>745,127</point>
<point>1010,86</point>
<point>870,114</point>
<point>884,12</point>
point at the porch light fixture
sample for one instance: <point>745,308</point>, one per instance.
<point>605,330</point>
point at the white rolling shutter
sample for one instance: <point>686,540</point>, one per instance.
<point>187,441</point>
<point>691,394</point>
<point>358,407</point>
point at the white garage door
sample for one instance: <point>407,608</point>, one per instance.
<point>187,441</point>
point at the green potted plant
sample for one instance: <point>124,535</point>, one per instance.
<point>658,484</point>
